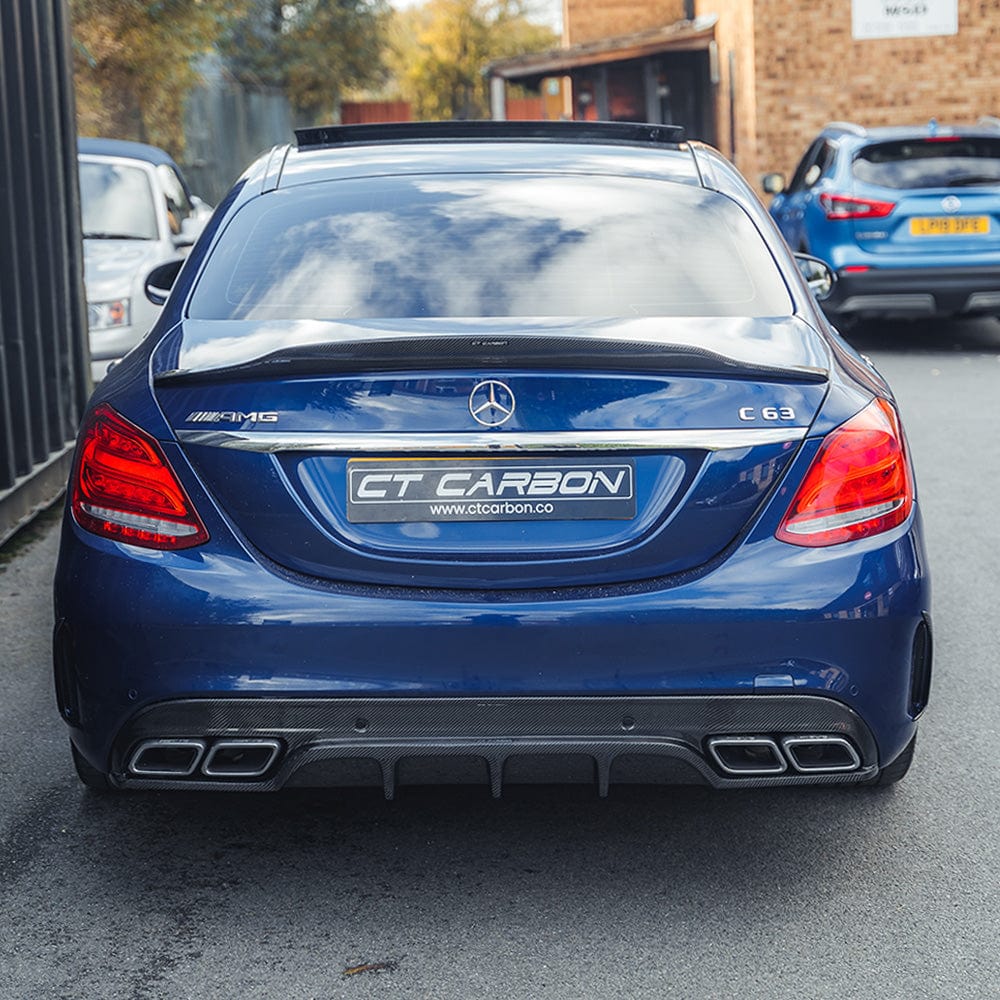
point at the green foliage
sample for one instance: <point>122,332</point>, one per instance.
<point>133,63</point>
<point>438,52</point>
<point>134,60</point>
<point>314,50</point>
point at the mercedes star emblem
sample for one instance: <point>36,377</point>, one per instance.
<point>491,403</point>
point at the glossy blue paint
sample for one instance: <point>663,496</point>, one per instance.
<point>433,402</point>
<point>692,596</point>
<point>293,506</point>
<point>226,621</point>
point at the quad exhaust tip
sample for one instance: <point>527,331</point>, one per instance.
<point>747,755</point>
<point>240,758</point>
<point>249,759</point>
<point>187,758</point>
<point>172,758</point>
<point>743,756</point>
<point>821,754</point>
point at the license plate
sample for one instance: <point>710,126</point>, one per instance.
<point>380,492</point>
<point>950,225</point>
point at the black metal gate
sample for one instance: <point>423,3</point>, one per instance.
<point>44,357</point>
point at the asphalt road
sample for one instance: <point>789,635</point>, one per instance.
<point>442,894</point>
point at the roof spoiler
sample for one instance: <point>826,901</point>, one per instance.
<point>544,131</point>
<point>852,127</point>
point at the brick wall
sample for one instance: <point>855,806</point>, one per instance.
<point>796,67</point>
<point>591,20</point>
<point>810,71</point>
<point>735,33</point>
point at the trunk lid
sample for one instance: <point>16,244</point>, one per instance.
<point>531,458</point>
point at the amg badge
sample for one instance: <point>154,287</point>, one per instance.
<point>232,417</point>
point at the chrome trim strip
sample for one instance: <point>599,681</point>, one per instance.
<point>505,441</point>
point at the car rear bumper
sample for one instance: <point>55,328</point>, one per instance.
<point>916,292</point>
<point>775,641</point>
<point>725,742</point>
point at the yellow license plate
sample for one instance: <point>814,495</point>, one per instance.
<point>951,225</point>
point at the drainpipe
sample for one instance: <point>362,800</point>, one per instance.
<point>732,106</point>
<point>498,98</point>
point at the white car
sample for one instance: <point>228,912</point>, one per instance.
<point>137,213</point>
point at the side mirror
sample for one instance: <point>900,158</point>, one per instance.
<point>190,230</point>
<point>773,183</point>
<point>202,210</point>
<point>160,280</point>
<point>818,274</point>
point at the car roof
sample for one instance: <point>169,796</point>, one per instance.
<point>626,149</point>
<point>125,149</point>
<point>984,128</point>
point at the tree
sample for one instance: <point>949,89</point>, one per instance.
<point>133,63</point>
<point>314,50</point>
<point>135,60</point>
<point>438,52</point>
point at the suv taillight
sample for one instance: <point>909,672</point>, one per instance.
<point>858,485</point>
<point>125,489</point>
<point>840,206</point>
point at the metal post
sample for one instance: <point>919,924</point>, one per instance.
<point>44,358</point>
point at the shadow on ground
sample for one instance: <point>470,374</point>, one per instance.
<point>926,336</point>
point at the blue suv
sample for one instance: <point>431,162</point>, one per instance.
<point>908,218</point>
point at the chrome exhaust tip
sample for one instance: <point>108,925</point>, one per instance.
<point>747,755</point>
<point>240,758</point>
<point>821,754</point>
<point>171,758</point>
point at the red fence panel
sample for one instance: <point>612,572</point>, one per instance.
<point>525,109</point>
<point>371,112</point>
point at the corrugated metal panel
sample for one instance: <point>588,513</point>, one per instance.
<point>44,358</point>
<point>226,127</point>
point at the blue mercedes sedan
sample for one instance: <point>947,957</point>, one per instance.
<point>491,453</point>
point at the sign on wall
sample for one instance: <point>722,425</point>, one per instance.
<point>903,18</point>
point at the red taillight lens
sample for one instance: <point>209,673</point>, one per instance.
<point>859,483</point>
<point>839,206</point>
<point>124,487</point>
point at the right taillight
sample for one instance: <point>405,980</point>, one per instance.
<point>859,484</point>
<point>125,489</point>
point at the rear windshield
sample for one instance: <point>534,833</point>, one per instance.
<point>490,246</point>
<point>930,162</point>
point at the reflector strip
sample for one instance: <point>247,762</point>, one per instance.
<point>151,524</point>
<point>844,520</point>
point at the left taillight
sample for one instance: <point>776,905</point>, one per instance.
<point>125,489</point>
<point>859,483</point>
<point>840,206</point>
